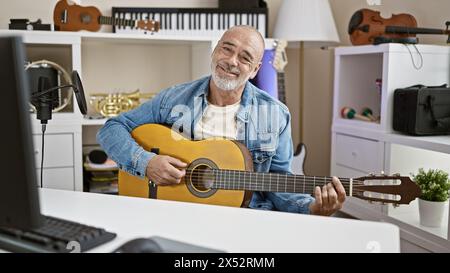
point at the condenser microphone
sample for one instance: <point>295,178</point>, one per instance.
<point>44,100</point>
<point>44,103</point>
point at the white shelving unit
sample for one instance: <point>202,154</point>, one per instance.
<point>67,131</point>
<point>360,147</point>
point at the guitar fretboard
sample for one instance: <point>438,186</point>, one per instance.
<point>281,89</point>
<point>274,182</point>
<point>105,20</point>
<point>210,22</point>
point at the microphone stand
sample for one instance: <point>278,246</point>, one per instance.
<point>44,104</point>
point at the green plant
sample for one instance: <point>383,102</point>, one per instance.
<point>434,184</point>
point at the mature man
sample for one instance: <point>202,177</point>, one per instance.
<point>223,105</point>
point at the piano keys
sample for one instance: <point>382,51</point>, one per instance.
<point>205,22</point>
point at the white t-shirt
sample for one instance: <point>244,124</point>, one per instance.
<point>218,122</point>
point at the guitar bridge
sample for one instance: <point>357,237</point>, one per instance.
<point>64,16</point>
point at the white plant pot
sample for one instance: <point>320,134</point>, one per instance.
<point>431,213</point>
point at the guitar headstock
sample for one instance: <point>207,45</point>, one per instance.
<point>150,25</point>
<point>280,59</point>
<point>394,189</point>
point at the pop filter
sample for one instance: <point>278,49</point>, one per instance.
<point>79,92</point>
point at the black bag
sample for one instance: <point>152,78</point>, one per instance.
<point>422,110</point>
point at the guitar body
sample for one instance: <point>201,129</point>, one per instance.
<point>200,155</point>
<point>74,17</point>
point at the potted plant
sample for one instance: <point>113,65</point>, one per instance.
<point>434,185</point>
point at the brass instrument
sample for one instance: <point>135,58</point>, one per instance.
<point>111,105</point>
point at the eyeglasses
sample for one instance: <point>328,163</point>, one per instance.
<point>242,57</point>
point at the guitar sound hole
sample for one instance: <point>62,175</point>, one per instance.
<point>202,178</point>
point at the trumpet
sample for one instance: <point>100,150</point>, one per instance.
<point>111,105</point>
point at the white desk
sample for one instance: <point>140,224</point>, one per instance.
<point>223,228</point>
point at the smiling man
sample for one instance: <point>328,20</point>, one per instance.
<point>224,105</point>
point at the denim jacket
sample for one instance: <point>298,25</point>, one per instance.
<point>264,126</point>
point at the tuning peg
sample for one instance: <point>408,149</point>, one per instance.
<point>397,174</point>
<point>382,173</point>
<point>371,174</point>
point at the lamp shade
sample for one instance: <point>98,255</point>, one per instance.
<point>306,21</point>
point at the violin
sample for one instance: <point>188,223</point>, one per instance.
<point>366,25</point>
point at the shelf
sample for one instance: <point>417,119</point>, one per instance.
<point>410,215</point>
<point>45,37</point>
<point>100,121</point>
<point>357,86</point>
<point>102,36</point>
<point>392,47</point>
<point>68,37</point>
<point>435,143</point>
<point>439,144</point>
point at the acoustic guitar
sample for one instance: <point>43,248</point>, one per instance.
<point>73,17</point>
<point>220,172</point>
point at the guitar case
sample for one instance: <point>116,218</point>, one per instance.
<point>422,110</point>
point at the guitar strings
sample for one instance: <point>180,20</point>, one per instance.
<point>287,182</point>
<point>308,187</point>
<point>291,179</point>
<point>306,191</point>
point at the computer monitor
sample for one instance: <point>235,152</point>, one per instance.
<point>19,202</point>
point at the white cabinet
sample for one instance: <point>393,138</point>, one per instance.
<point>62,155</point>
<point>57,178</point>
<point>361,147</point>
<point>58,150</point>
<point>357,153</point>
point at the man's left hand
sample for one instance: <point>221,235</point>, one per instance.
<point>329,199</point>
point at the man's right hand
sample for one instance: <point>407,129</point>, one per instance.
<point>165,170</point>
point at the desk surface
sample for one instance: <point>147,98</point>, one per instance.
<point>218,227</point>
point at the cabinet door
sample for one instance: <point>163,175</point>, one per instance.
<point>57,178</point>
<point>58,150</point>
<point>361,154</point>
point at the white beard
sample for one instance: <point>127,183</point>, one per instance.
<point>224,83</point>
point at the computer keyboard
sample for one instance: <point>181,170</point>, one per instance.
<point>54,236</point>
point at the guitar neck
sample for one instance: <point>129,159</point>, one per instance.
<point>281,87</point>
<point>410,30</point>
<point>107,20</point>
<point>274,182</point>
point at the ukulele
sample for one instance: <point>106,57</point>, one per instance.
<point>220,172</point>
<point>72,17</point>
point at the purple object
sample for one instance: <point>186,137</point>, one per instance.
<point>266,79</point>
